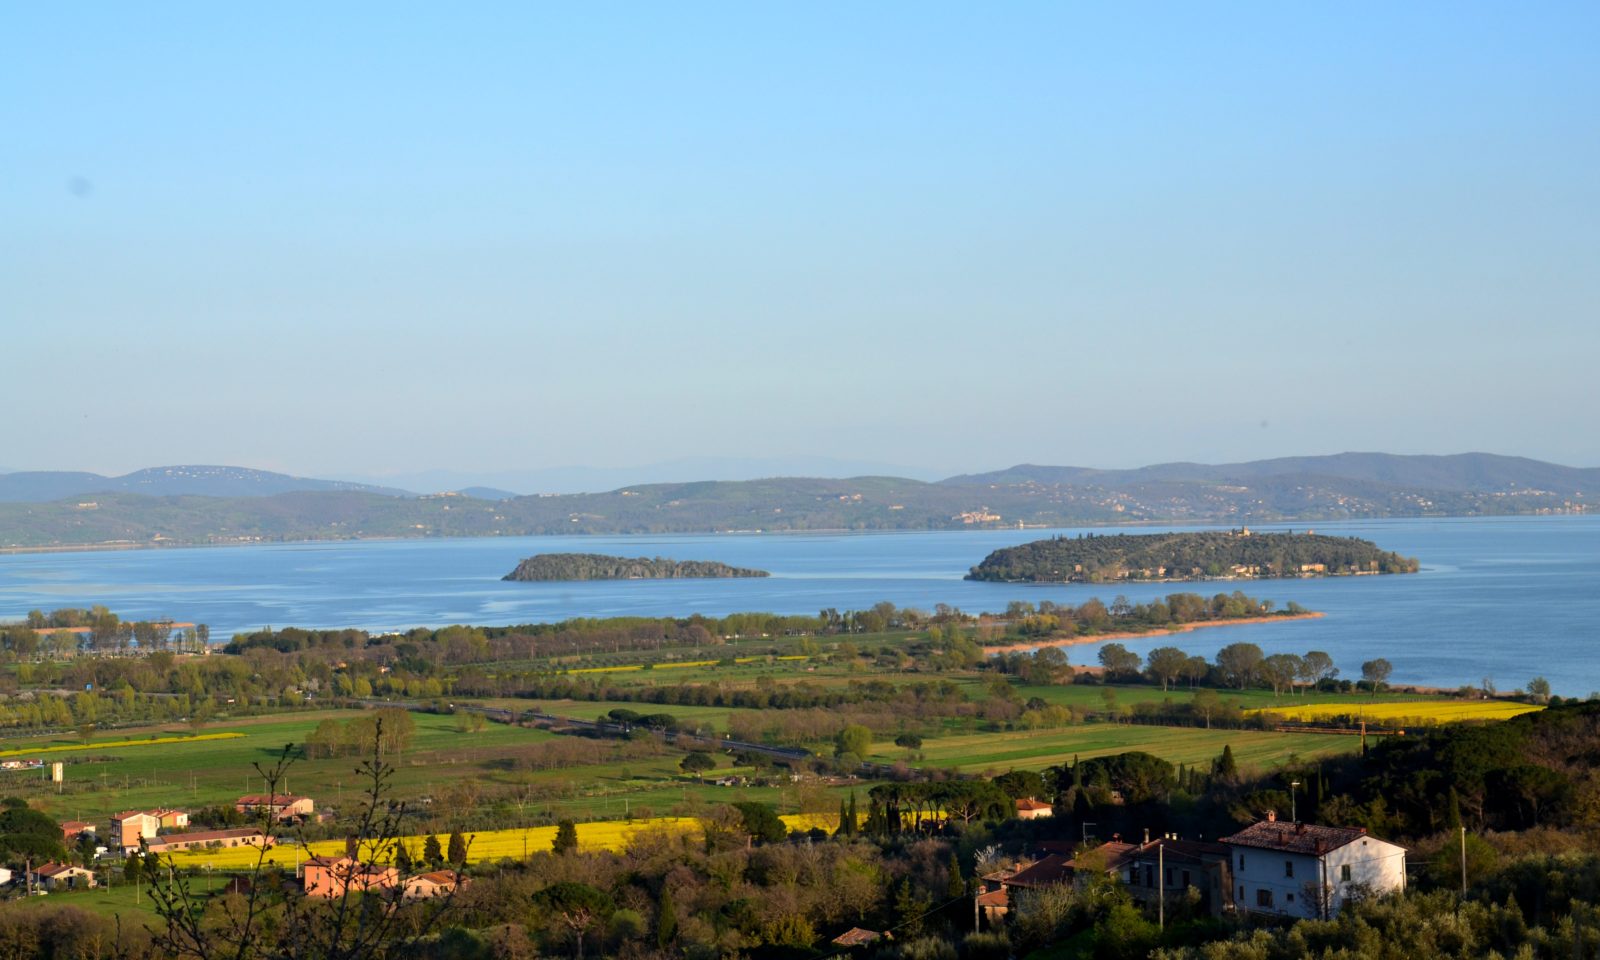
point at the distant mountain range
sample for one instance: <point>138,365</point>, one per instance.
<point>581,479</point>
<point>1464,472</point>
<point>42,486</point>
<point>232,505</point>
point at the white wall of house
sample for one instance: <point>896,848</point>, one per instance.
<point>1377,864</point>
<point>1272,881</point>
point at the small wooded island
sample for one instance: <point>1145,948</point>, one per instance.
<point>1217,554</point>
<point>598,566</point>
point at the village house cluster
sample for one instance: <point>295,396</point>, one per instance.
<point>1272,867</point>
<point>164,830</point>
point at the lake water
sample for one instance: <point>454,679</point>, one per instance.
<point>1504,598</point>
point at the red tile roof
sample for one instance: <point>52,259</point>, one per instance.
<point>262,799</point>
<point>994,898</point>
<point>856,936</point>
<point>1115,853</point>
<point>1307,838</point>
<point>1183,851</point>
<point>1028,803</point>
<point>202,836</point>
<point>1052,869</point>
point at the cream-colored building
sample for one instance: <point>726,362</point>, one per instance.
<point>281,806</point>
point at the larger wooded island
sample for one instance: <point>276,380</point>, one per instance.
<point>1238,554</point>
<point>597,566</point>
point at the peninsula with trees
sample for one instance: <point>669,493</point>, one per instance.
<point>1217,554</point>
<point>598,566</point>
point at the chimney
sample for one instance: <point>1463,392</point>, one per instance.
<point>1147,836</point>
<point>1300,828</point>
<point>1272,816</point>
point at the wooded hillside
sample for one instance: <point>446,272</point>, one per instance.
<point>1188,556</point>
<point>597,566</point>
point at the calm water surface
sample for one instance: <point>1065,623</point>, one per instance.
<point>1503,598</point>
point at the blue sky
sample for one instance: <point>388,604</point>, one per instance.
<point>342,239</point>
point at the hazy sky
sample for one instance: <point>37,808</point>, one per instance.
<point>334,238</point>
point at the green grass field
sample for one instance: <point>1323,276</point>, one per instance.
<point>999,752</point>
<point>131,902</point>
<point>100,781</point>
<point>1092,696</point>
<point>189,775</point>
<point>496,767</point>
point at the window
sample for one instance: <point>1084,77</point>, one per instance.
<point>1344,873</point>
<point>1263,897</point>
<point>1288,869</point>
<point>1289,898</point>
<point>1241,891</point>
<point>1149,876</point>
<point>1168,880</point>
<point>1241,861</point>
<point>1186,879</point>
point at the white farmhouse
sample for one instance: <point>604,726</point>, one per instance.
<point>1307,870</point>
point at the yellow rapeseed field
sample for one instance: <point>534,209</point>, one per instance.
<point>119,743</point>
<point>483,846</point>
<point>1407,712</point>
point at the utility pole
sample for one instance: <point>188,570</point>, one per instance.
<point>1294,810</point>
<point>1161,883</point>
<point>1463,863</point>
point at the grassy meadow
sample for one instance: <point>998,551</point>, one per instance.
<point>995,753</point>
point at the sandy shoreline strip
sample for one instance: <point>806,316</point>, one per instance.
<point>1129,635</point>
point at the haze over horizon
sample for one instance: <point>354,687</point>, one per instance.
<point>359,242</point>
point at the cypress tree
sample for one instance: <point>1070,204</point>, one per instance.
<point>851,814</point>
<point>956,886</point>
<point>566,836</point>
<point>457,849</point>
<point>1227,767</point>
<point>432,852</point>
<point>666,919</point>
<point>402,859</point>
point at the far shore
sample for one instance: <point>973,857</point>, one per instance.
<point>1132,635</point>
